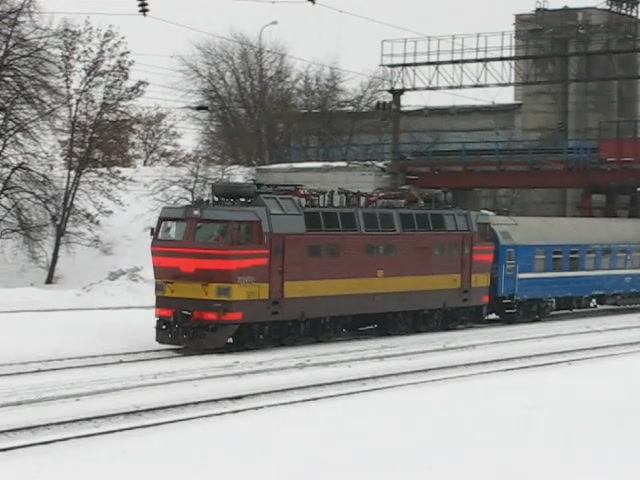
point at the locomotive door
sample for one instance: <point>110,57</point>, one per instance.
<point>276,268</point>
<point>466,263</point>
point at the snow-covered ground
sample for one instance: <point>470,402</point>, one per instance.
<point>569,422</point>
<point>119,273</point>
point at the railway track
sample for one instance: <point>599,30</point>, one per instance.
<point>85,361</point>
<point>96,386</point>
<point>109,359</point>
<point>261,397</point>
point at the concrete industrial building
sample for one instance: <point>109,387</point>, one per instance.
<point>572,68</point>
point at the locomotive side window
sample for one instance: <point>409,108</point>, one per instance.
<point>348,222</point>
<point>605,260</point>
<point>387,223</point>
<point>438,249</point>
<point>450,222</point>
<point>437,222</point>
<point>331,250</point>
<point>590,260</point>
<point>330,220</point>
<point>371,223</point>
<point>312,221</point>
<point>172,230</point>
<point>463,222</point>
<point>574,260</point>
<point>541,260</point>
<point>408,222</point>
<point>556,261</point>
<point>273,205</point>
<point>422,222</point>
<point>314,251</point>
<point>289,205</point>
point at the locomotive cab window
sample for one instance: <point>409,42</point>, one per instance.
<point>213,232</point>
<point>172,230</point>
<point>273,205</point>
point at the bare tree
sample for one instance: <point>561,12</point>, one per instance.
<point>249,91</point>
<point>191,179</point>
<point>93,69</point>
<point>28,100</point>
<point>155,137</point>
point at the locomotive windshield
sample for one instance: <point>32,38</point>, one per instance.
<point>172,230</point>
<point>227,233</point>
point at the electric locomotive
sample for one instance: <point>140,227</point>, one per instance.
<point>264,266</point>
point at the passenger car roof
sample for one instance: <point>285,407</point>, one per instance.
<point>565,230</point>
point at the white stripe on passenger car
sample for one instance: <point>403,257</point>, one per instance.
<point>590,273</point>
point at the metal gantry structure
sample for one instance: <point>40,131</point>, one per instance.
<point>502,59</point>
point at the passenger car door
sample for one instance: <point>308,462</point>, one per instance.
<point>510,273</point>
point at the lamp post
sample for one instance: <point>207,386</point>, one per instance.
<point>263,133</point>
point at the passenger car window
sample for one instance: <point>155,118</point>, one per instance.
<point>621,259</point>
<point>556,261</point>
<point>605,259</point>
<point>574,260</point>
<point>541,260</point>
<point>635,258</point>
<point>172,230</point>
<point>213,232</point>
<point>590,260</point>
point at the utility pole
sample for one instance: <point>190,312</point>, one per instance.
<point>264,144</point>
<point>396,106</point>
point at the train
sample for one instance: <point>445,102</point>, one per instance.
<point>263,266</point>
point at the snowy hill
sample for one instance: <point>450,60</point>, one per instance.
<point>118,274</point>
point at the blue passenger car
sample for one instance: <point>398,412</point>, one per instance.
<point>544,264</point>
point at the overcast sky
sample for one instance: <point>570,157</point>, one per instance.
<point>313,32</point>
